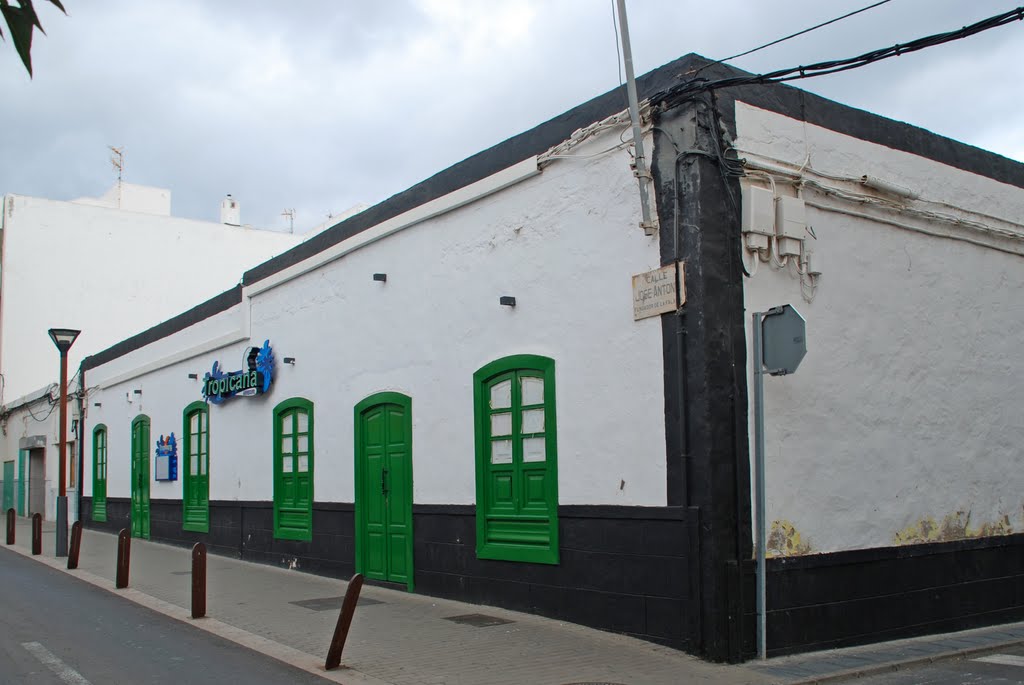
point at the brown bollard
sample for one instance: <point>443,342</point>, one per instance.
<point>76,544</point>
<point>37,533</point>
<point>10,526</point>
<point>198,580</point>
<point>124,556</point>
<point>348,610</point>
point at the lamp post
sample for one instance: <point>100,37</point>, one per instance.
<point>63,338</point>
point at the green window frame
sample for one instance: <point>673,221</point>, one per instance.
<point>99,473</point>
<point>195,495</point>
<point>293,470</point>
<point>516,460</point>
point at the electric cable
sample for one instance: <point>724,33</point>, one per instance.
<point>671,97</point>
<point>793,35</point>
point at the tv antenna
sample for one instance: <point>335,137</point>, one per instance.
<point>117,159</point>
<point>290,213</point>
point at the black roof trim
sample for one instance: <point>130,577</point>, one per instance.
<point>798,104</point>
<point>215,305</point>
<point>779,98</point>
<point>479,166</point>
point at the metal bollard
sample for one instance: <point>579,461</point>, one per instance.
<point>37,533</point>
<point>76,544</point>
<point>198,580</point>
<point>348,610</point>
<point>124,554</point>
<point>10,526</point>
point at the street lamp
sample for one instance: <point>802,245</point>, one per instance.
<point>63,338</point>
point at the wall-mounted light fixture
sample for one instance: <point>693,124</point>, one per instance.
<point>97,404</point>
<point>137,392</point>
<point>289,360</point>
<point>383,278</point>
<point>194,376</point>
<point>507,301</point>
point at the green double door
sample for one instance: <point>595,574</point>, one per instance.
<point>140,477</point>
<point>384,487</point>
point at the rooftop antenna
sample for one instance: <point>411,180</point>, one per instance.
<point>290,213</point>
<point>117,159</point>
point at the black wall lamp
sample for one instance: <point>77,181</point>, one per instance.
<point>194,376</point>
<point>137,392</point>
<point>289,360</point>
<point>97,404</point>
<point>507,301</point>
<point>383,278</point>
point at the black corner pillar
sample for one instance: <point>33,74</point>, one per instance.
<point>705,367</point>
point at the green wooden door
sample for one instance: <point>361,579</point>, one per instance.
<point>99,473</point>
<point>293,470</point>
<point>8,502</point>
<point>196,490</point>
<point>22,461</point>
<point>140,477</point>
<point>384,487</point>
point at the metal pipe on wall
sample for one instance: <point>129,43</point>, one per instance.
<point>641,172</point>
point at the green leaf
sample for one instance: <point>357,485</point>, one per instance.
<point>20,23</point>
<point>56,3</point>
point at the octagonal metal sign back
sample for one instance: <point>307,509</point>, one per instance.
<point>784,335</point>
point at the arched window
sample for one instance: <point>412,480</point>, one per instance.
<point>195,514</point>
<point>293,469</point>
<point>516,460</point>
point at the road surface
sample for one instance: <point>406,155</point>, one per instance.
<point>56,629</point>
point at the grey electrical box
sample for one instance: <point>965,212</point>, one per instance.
<point>784,340</point>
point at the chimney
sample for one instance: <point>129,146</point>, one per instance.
<point>230,211</point>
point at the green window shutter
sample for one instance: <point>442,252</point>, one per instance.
<point>516,460</point>
<point>99,473</point>
<point>195,514</point>
<point>293,470</point>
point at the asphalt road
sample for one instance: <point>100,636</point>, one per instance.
<point>55,629</point>
<point>1005,667</point>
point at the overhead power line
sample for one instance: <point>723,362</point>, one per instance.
<point>800,33</point>
<point>683,91</point>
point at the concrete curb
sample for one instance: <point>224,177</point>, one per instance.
<point>287,655</point>
<point>903,664</point>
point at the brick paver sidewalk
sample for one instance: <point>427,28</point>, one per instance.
<point>396,637</point>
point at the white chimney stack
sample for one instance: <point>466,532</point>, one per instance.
<point>230,211</point>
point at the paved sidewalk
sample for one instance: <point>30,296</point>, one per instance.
<point>399,638</point>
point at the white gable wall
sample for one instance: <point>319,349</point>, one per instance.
<point>903,422</point>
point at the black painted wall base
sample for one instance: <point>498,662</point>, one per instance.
<point>623,569</point>
<point>826,601</point>
<point>627,570</point>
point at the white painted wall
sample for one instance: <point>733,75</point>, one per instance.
<point>109,272</point>
<point>38,417</point>
<point>565,243</point>
<point>907,406</point>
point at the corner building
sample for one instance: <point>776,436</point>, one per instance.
<point>456,398</point>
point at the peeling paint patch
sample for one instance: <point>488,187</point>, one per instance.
<point>784,540</point>
<point>954,526</point>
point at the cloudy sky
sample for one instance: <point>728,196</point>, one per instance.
<point>318,105</point>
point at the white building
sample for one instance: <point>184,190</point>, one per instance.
<point>111,266</point>
<point>454,391</point>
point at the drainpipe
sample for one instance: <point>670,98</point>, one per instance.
<point>80,437</point>
<point>640,171</point>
